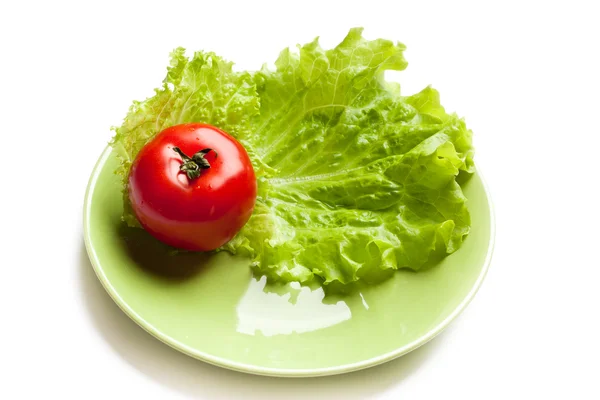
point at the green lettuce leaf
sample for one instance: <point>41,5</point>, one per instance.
<point>365,179</point>
<point>204,89</point>
<point>355,180</point>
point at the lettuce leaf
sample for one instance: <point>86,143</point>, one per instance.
<point>205,89</point>
<point>355,179</point>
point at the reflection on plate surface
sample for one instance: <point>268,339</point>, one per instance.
<point>274,314</point>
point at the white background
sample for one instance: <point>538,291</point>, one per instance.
<point>526,76</point>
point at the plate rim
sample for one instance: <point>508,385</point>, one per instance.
<point>266,371</point>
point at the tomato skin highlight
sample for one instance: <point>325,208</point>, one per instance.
<point>199,214</point>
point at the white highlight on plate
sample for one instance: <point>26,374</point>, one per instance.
<point>273,314</point>
<point>364,301</point>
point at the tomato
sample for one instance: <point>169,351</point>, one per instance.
<point>192,187</point>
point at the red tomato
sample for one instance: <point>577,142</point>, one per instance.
<point>192,187</point>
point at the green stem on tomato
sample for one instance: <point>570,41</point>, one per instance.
<point>192,166</point>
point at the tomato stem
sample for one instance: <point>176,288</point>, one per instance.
<point>192,166</point>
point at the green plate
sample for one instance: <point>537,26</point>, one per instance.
<point>211,307</point>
